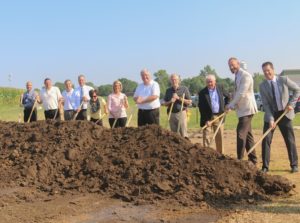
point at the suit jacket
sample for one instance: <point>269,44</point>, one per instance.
<point>243,100</point>
<point>204,103</point>
<point>285,85</point>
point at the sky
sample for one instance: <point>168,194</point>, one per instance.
<point>107,40</point>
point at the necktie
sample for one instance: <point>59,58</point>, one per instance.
<point>274,96</point>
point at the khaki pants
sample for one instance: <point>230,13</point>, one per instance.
<point>209,132</point>
<point>174,122</point>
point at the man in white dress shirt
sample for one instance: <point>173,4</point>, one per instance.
<point>68,100</point>
<point>146,96</point>
<point>81,98</point>
<point>50,96</point>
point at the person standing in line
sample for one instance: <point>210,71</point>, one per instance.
<point>117,105</point>
<point>212,101</point>
<point>68,100</point>
<point>146,96</point>
<point>275,94</point>
<point>81,98</point>
<point>50,96</point>
<point>243,102</point>
<point>94,107</point>
<point>174,95</point>
<point>28,101</point>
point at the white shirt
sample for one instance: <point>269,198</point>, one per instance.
<point>50,97</point>
<point>277,93</point>
<point>68,99</point>
<point>145,91</point>
<point>79,93</point>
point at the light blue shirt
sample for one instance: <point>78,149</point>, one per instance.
<point>214,98</point>
<point>78,93</point>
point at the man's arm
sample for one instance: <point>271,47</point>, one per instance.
<point>292,86</point>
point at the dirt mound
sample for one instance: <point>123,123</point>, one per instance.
<point>133,164</point>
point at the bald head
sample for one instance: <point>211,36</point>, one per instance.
<point>29,85</point>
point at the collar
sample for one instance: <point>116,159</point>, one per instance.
<point>273,80</point>
<point>212,90</point>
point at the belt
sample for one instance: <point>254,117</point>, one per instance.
<point>216,113</point>
<point>179,111</point>
<point>148,109</point>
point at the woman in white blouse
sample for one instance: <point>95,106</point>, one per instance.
<point>117,104</point>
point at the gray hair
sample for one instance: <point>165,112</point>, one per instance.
<point>145,71</point>
<point>81,75</point>
<point>177,76</point>
<point>67,81</point>
<point>210,77</point>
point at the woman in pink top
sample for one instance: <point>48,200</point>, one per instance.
<point>117,104</point>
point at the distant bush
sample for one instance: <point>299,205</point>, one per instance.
<point>10,95</point>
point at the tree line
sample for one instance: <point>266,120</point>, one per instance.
<point>194,84</point>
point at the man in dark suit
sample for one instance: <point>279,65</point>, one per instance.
<point>274,92</point>
<point>212,100</point>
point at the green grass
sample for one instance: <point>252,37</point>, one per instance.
<point>11,112</point>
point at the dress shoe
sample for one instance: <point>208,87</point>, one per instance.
<point>294,169</point>
<point>265,170</point>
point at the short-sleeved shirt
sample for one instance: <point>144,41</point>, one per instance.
<point>145,91</point>
<point>79,93</point>
<point>28,99</point>
<point>116,106</point>
<point>179,91</point>
<point>68,100</point>
<point>50,97</point>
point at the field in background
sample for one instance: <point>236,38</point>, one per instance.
<point>11,111</point>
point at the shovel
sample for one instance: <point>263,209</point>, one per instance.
<point>32,111</point>
<point>267,132</point>
<point>180,118</point>
<point>217,130</point>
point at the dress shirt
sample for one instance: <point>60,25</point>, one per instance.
<point>78,96</point>
<point>68,99</point>
<point>214,98</point>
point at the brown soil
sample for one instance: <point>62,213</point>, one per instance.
<point>138,165</point>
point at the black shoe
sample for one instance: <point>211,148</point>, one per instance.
<point>265,170</point>
<point>294,169</point>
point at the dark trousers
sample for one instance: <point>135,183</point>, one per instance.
<point>121,122</point>
<point>27,112</point>
<point>69,115</point>
<point>51,114</point>
<point>245,138</point>
<point>148,117</point>
<point>97,121</point>
<point>286,129</point>
<point>82,115</point>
